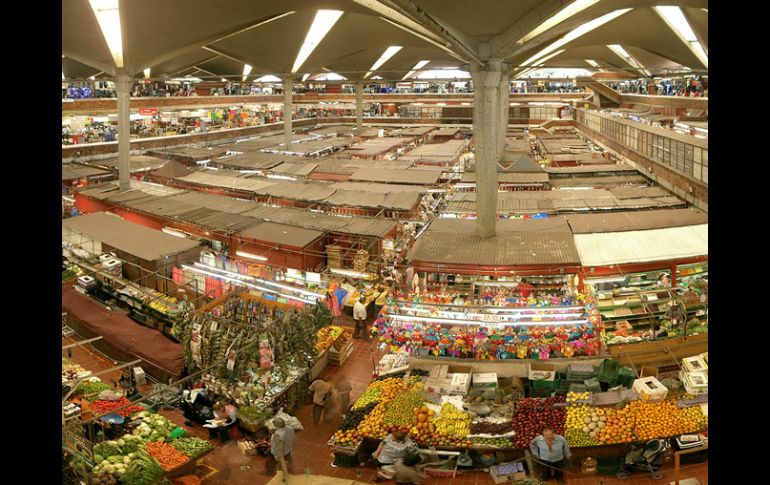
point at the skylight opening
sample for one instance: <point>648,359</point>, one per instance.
<point>322,23</point>
<point>268,78</point>
<point>389,52</point>
<point>246,70</point>
<point>576,33</point>
<point>548,57</point>
<point>147,73</point>
<point>560,16</point>
<point>416,68</point>
<point>619,50</point>
<point>592,63</point>
<point>676,20</point>
<point>107,14</point>
<point>305,76</point>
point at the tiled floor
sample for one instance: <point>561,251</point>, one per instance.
<point>227,466</point>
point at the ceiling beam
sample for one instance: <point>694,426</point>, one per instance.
<point>106,67</point>
<point>189,66</point>
<point>236,59</point>
<point>405,19</point>
<point>219,36</point>
<point>448,34</point>
<point>504,44</point>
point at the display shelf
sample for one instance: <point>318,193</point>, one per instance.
<point>515,322</point>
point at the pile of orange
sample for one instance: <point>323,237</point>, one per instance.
<point>619,426</point>
<point>663,419</point>
<point>390,388</point>
<point>372,425</point>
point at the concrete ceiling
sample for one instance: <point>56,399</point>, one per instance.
<point>214,38</point>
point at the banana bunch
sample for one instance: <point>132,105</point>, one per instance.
<point>453,421</point>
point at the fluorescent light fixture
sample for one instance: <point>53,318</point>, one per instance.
<point>174,232</point>
<point>147,73</point>
<point>224,80</point>
<point>675,19</point>
<point>92,78</point>
<point>322,23</point>
<point>619,50</point>
<point>62,75</point>
<point>611,279</point>
<point>107,14</point>
<point>560,16</point>
<point>576,33</point>
<point>246,70</point>
<point>389,52</point>
<point>305,76</point>
<point>244,254</point>
<point>415,68</point>
<point>592,63</point>
<point>548,57</point>
<point>238,279</point>
<point>349,272</point>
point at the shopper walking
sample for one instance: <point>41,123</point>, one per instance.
<point>359,315</point>
<point>322,396</point>
<point>405,471</point>
<point>343,391</point>
<point>409,272</point>
<point>281,444</point>
<point>553,452</point>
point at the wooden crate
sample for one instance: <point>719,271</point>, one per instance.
<point>339,358</point>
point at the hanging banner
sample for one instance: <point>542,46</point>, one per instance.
<point>148,111</point>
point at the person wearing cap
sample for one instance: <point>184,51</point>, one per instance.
<point>676,314</point>
<point>281,442</point>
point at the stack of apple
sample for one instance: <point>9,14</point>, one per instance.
<point>532,414</point>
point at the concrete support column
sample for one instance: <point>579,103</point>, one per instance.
<point>486,107</point>
<point>359,105</point>
<point>123,91</point>
<point>288,83</point>
<point>504,94</point>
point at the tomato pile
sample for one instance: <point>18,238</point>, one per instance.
<point>532,414</point>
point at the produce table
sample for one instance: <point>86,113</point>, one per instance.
<point>188,467</point>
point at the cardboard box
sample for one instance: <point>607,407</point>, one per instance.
<point>648,371</point>
<point>438,372</point>
<point>539,371</point>
<point>486,380</point>
<point>497,477</point>
<point>460,384</point>
<point>650,388</point>
<point>438,386</point>
<point>694,364</point>
<point>139,376</point>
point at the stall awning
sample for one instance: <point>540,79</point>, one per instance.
<point>610,248</point>
<point>635,220</point>
<point>401,176</point>
<point>123,333</point>
<point>136,239</point>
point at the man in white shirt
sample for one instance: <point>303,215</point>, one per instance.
<point>359,315</point>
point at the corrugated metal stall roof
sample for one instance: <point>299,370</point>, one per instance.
<point>600,181</point>
<point>218,220</point>
<point>281,234</point>
<point>307,191</point>
<point>636,220</point>
<point>550,224</point>
<point>255,160</point>
<point>620,167</point>
<point>299,169</point>
<point>191,153</point>
<point>222,203</point>
<point>381,188</point>
<point>228,181</point>
<point>359,226</point>
<point>610,248</point>
<point>71,171</point>
<point>136,239</point>
<point>504,249</point>
<point>511,178</point>
<point>406,176</point>
<point>395,201</point>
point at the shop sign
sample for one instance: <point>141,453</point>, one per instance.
<point>148,111</point>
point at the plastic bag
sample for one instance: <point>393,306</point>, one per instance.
<point>290,421</point>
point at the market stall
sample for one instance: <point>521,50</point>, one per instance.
<point>480,411</point>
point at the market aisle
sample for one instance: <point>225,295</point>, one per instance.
<point>227,466</point>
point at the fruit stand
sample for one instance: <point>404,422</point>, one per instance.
<point>482,419</point>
